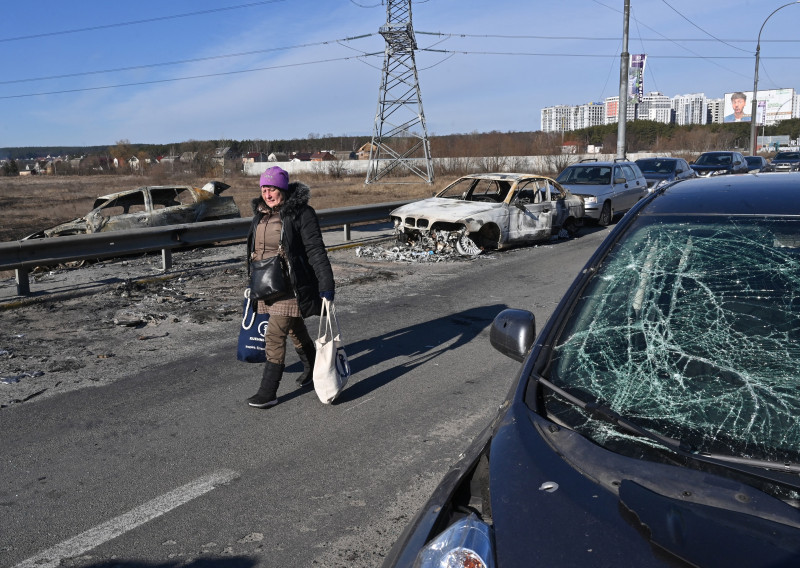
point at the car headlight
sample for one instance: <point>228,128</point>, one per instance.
<point>464,544</point>
<point>720,172</point>
<point>589,199</point>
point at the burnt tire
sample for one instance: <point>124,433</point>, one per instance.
<point>571,227</point>
<point>605,215</point>
<point>467,247</point>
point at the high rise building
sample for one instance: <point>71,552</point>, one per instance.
<point>655,106</point>
<point>715,111</point>
<point>558,118</point>
<point>690,109</point>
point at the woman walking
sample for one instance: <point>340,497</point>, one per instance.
<point>284,205</point>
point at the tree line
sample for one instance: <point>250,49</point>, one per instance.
<point>641,135</point>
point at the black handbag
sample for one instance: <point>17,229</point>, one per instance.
<point>269,278</point>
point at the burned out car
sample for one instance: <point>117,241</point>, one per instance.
<point>654,420</point>
<point>489,211</point>
<point>150,206</point>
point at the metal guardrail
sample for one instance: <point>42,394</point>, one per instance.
<point>21,256</point>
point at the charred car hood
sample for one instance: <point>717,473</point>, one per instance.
<point>445,209</point>
<point>605,509</point>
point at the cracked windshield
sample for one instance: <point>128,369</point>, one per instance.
<point>691,329</point>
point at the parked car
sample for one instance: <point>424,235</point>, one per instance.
<point>756,164</point>
<point>489,211</point>
<point>661,171</point>
<point>150,206</point>
<point>719,163</point>
<point>607,188</point>
<point>654,421</point>
<point>785,162</point>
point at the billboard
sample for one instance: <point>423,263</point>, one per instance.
<point>773,105</point>
<point>636,78</point>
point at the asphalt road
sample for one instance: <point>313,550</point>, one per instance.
<point>170,467</point>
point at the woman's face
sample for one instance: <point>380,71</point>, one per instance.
<point>272,195</point>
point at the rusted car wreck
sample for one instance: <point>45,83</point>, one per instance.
<point>489,212</point>
<point>150,206</point>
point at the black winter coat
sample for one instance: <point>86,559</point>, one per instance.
<point>305,251</point>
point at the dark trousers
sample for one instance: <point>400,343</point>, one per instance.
<point>275,339</point>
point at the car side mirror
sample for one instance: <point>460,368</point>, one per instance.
<point>512,333</point>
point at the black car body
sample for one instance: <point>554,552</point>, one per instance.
<point>756,164</point>
<point>661,171</point>
<point>719,163</point>
<point>785,162</point>
<point>654,420</point>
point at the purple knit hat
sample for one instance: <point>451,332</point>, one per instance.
<point>276,177</point>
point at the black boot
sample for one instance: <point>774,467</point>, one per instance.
<point>266,395</point>
<point>307,354</point>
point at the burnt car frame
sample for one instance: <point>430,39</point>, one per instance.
<point>149,206</point>
<point>490,211</point>
<point>654,420</point>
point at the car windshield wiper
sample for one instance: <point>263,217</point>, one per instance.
<point>761,469</point>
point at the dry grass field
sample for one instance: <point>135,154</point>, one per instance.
<point>31,203</point>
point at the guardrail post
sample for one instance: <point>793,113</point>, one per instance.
<point>347,231</point>
<point>23,284</point>
<point>166,259</point>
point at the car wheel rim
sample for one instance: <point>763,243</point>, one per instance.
<point>467,247</point>
<point>605,214</point>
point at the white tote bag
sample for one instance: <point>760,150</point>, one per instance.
<point>331,368</point>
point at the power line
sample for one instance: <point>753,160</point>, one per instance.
<point>360,58</point>
<point>601,38</point>
<point>599,55</point>
<point>698,27</point>
<point>182,61</point>
<point>137,22</point>
<point>175,79</point>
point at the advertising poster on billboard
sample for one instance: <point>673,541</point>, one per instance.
<point>636,78</point>
<point>772,106</point>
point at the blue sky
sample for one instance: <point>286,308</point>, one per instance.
<point>273,69</point>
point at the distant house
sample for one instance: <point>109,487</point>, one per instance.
<point>187,157</point>
<point>278,157</point>
<point>133,163</point>
<point>363,152</point>
<point>301,157</point>
<point>221,154</point>
<point>569,148</point>
<point>322,157</point>
<point>253,157</point>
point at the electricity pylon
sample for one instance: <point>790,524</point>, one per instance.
<point>399,138</point>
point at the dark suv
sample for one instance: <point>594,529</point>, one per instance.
<point>661,171</point>
<point>719,163</point>
<point>784,162</point>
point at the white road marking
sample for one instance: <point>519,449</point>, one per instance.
<point>96,536</point>
<point>359,404</point>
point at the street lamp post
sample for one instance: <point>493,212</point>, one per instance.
<point>754,108</point>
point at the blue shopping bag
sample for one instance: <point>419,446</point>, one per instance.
<point>251,332</point>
